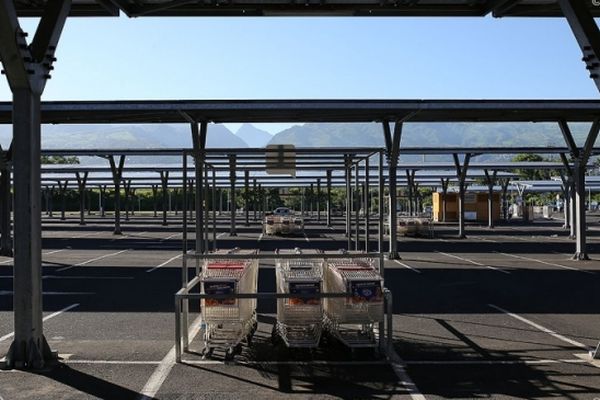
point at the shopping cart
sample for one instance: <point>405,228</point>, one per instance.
<point>228,322</point>
<point>299,320</point>
<point>354,320</point>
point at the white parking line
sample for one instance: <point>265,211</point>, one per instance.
<point>306,238</point>
<point>53,252</point>
<point>260,237</point>
<point>169,237</point>
<point>407,266</point>
<point>165,263</point>
<point>473,262</point>
<point>542,328</point>
<point>484,239</point>
<point>162,371</point>
<point>220,235</point>
<point>92,260</point>
<point>46,318</point>
<point>545,262</point>
<point>398,366</point>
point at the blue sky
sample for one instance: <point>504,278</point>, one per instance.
<point>278,58</point>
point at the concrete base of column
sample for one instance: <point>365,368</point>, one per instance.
<point>580,256</point>
<point>38,356</point>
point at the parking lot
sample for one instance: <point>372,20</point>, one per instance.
<point>504,313</point>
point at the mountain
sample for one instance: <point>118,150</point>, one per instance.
<point>437,135</point>
<point>253,136</point>
<point>127,137</point>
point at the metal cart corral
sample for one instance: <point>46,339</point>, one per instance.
<point>228,322</point>
<point>182,332</point>
<point>354,320</point>
<point>299,320</point>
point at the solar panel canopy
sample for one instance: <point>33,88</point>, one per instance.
<point>424,8</point>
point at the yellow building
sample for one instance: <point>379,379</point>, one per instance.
<point>476,207</point>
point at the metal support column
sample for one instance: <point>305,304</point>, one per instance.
<point>380,205</point>
<point>6,244</point>
<point>127,190</point>
<point>356,202</point>
<point>328,197</point>
<point>367,207</point>
<point>392,145</point>
<point>246,197</point>
<point>490,181</point>
<point>580,158</point>
<point>81,182</point>
<point>62,190</point>
<point>504,185</point>
<point>117,174</point>
<point>199,143</point>
<point>164,181</point>
<point>461,174</point>
<point>444,198</point>
<point>348,202</point>
<point>318,199</point>
<point>232,177</point>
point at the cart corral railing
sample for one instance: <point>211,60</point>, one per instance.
<point>185,294</point>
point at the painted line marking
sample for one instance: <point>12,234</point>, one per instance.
<point>497,269</point>
<point>53,252</point>
<point>260,237</point>
<point>542,328</point>
<point>485,239</point>
<point>163,369</point>
<point>407,266</point>
<point>169,237</point>
<point>473,262</point>
<point>46,318</point>
<point>165,263</point>
<point>92,260</point>
<point>398,366</point>
<point>220,235</point>
<point>306,238</point>
<point>545,262</point>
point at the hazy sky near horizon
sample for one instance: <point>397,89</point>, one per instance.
<point>315,58</point>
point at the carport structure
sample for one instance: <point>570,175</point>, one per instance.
<point>28,65</point>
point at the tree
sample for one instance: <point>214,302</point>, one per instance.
<point>531,174</point>
<point>59,160</point>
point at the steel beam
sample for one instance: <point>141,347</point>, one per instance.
<point>586,33</point>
